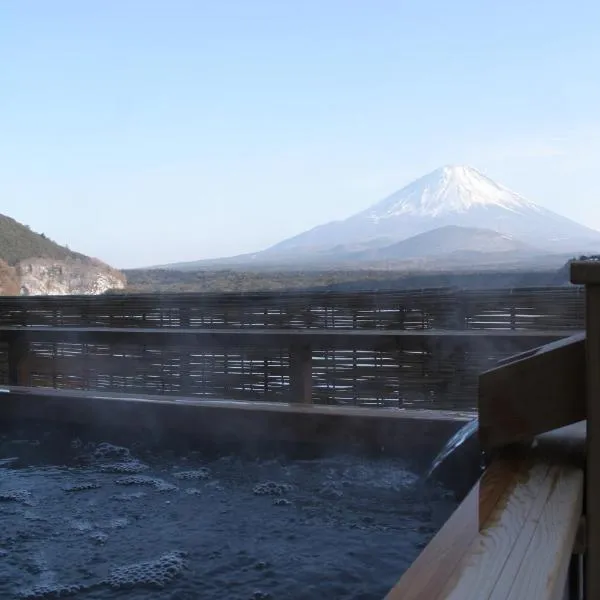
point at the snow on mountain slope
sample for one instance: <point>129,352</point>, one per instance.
<point>450,196</point>
<point>452,189</point>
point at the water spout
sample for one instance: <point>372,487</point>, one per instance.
<point>455,442</point>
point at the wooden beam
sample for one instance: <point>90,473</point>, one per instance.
<point>317,338</point>
<point>301,373</point>
<point>18,352</point>
<point>588,272</point>
<point>593,442</point>
<point>585,272</point>
<point>535,393</point>
<point>395,433</point>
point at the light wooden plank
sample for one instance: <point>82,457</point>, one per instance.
<point>514,560</point>
<point>478,571</point>
<point>429,573</point>
<point>564,445</point>
<point>544,568</point>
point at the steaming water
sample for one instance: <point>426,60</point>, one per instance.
<point>90,520</point>
<point>453,444</point>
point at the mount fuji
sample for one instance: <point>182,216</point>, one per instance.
<point>457,196</point>
<point>453,214</point>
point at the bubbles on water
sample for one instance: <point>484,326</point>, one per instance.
<point>272,488</point>
<point>49,592</point>
<point>260,595</point>
<point>289,522</point>
<point>81,487</point>
<point>201,473</point>
<point>282,502</point>
<point>131,467</point>
<point>99,537</point>
<point>119,523</point>
<point>81,525</point>
<point>19,496</point>
<point>331,489</point>
<point>158,484</point>
<point>152,573</point>
<point>128,497</point>
<point>215,486</point>
<point>105,451</point>
<point>371,475</point>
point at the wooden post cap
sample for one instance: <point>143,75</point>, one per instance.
<point>586,271</point>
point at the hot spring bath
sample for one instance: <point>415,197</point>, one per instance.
<point>84,514</point>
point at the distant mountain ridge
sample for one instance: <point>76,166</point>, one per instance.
<point>463,215</point>
<point>449,240</point>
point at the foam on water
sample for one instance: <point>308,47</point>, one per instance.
<point>202,473</point>
<point>158,484</point>
<point>151,573</point>
<point>81,487</point>
<point>91,520</point>
<point>272,488</point>
<point>129,467</point>
<point>21,496</point>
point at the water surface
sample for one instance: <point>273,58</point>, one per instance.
<point>87,519</point>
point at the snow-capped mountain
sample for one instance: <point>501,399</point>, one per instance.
<point>454,214</point>
<point>450,196</point>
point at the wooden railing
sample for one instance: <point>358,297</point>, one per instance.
<point>402,368</point>
<point>526,308</point>
<point>515,535</point>
<point>426,371</point>
<point>510,539</point>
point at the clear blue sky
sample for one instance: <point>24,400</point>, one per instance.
<point>146,132</point>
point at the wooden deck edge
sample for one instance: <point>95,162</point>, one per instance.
<point>510,539</point>
<point>440,558</point>
<point>247,405</point>
<point>414,437</point>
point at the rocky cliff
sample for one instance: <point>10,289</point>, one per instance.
<point>32,264</point>
<point>45,276</point>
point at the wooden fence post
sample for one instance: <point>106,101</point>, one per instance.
<point>186,384</point>
<point>301,373</point>
<point>588,273</point>
<point>18,350</point>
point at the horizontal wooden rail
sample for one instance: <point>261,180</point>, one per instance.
<point>413,435</point>
<point>74,354</point>
<point>450,308</point>
<point>318,339</point>
<point>512,538</point>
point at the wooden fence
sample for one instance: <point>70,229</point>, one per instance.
<point>527,308</point>
<point>430,348</point>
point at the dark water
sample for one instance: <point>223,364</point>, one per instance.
<point>87,519</point>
